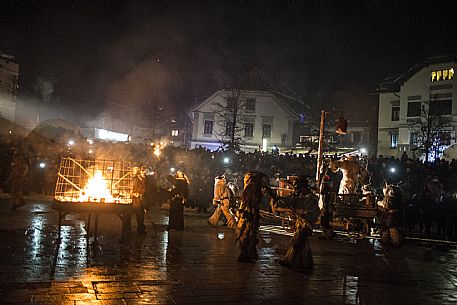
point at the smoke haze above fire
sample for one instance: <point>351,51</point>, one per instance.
<point>138,53</point>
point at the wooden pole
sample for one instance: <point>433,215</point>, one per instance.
<point>319,151</point>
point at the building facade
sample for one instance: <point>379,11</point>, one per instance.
<point>418,110</point>
<point>9,73</point>
<point>265,120</point>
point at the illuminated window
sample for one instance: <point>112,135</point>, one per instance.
<point>439,75</point>
<point>395,113</point>
<point>174,132</point>
<point>208,128</point>
<point>393,140</point>
<point>248,129</point>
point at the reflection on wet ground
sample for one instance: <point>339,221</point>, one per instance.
<point>199,266</point>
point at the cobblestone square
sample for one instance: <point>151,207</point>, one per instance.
<point>199,265</point>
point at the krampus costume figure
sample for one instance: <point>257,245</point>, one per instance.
<point>390,218</point>
<point>306,211</point>
<point>179,195</point>
<point>255,183</point>
<point>351,170</point>
<point>221,199</point>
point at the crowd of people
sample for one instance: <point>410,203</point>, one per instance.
<point>429,205</point>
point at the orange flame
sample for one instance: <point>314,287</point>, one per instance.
<point>96,189</point>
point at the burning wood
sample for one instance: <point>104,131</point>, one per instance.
<point>93,181</point>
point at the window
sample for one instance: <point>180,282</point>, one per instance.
<point>439,75</point>
<point>266,131</point>
<point>250,104</point>
<point>174,132</point>
<point>230,102</point>
<point>440,87</point>
<point>228,128</point>
<point>413,138</point>
<point>356,137</point>
<point>395,113</point>
<point>248,129</point>
<point>208,128</point>
<point>414,109</point>
<point>445,137</point>
<point>441,107</point>
<point>393,140</point>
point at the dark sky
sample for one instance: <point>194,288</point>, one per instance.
<point>169,52</point>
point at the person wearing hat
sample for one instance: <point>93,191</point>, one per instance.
<point>221,200</point>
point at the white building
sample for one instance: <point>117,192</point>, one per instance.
<point>267,119</point>
<point>407,102</point>
<point>9,73</point>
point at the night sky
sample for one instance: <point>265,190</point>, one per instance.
<point>174,53</point>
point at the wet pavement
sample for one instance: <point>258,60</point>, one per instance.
<point>199,266</point>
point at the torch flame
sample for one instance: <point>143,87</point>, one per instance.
<point>157,151</point>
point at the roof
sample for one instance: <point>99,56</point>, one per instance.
<point>293,105</point>
<point>393,83</point>
<point>8,57</point>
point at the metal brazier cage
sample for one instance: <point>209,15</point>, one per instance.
<point>94,181</point>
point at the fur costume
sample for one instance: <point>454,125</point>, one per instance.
<point>221,199</point>
<point>249,215</point>
<point>390,218</point>
<point>351,170</point>
<point>299,254</point>
<point>306,211</point>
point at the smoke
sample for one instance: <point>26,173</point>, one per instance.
<point>44,88</point>
<point>165,58</point>
<point>148,81</point>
